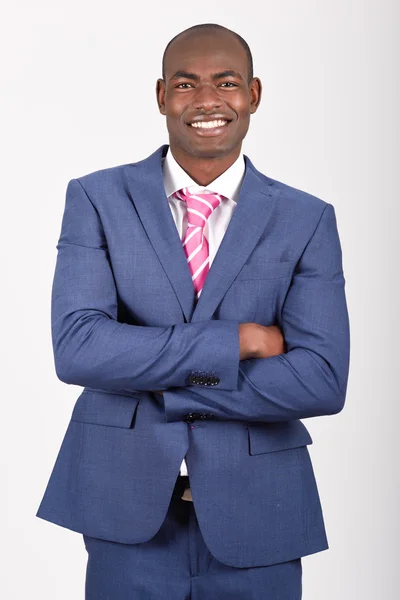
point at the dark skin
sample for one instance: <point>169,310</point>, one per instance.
<point>216,82</point>
<point>206,76</point>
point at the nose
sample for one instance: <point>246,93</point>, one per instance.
<point>206,98</point>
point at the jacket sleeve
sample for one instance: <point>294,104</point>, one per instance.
<point>91,348</point>
<point>310,378</point>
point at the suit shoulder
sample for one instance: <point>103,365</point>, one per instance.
<point>294,198</point>
<point>102,183</point>
<point>101,176</point>
<point>107,173</point>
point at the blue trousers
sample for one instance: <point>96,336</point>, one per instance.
<point>177,565</point>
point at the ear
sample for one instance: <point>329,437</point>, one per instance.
<point>160,93</point>
<point>255,94</point>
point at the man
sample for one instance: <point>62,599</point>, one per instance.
<point>191,370</point>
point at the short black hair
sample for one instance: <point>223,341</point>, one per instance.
<point>208,28</point>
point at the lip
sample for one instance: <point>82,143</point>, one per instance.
<point>212,132</point>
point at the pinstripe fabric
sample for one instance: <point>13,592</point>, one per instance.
<point>199,207</point>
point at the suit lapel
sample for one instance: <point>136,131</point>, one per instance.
<point>145,183</point>
<point>255,206</point>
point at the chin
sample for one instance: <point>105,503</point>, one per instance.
<point>210,151</point>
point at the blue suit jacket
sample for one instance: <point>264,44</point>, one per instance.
<point>125,321</point>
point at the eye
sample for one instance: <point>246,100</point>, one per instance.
<point>177,86</point>
<point>229,83</point>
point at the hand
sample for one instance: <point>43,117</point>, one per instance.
<point>258,341</point>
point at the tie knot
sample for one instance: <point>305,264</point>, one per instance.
<point>199,205</point>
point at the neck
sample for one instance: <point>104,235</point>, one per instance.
<point>204,170</point>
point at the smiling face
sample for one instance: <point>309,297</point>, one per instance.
<point>206,95</point>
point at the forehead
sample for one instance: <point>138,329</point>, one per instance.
<point>205,54</point>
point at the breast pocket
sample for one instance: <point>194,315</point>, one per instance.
<point>264,269</point>
<point>257,281</point>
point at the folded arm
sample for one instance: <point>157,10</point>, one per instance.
<point>310,378</point>
<point>91,348</point>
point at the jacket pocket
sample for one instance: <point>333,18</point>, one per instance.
<point>105,408</point>
<point>273,437</point>
<point>263,269</point>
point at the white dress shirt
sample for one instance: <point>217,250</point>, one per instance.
<point>228,184</point>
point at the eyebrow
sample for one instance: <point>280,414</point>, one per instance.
<point>186,75</point>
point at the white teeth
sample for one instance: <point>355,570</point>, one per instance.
<point>209,124</point>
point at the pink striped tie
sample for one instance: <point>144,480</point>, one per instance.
<point>199,208</point>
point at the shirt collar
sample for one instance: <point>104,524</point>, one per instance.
<point>227,184</point>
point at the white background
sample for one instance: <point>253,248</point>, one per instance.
<point>78,94</point>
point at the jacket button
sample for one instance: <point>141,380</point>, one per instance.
<point>206,416</point>
<point>198,379</point>
<point>190,417</point>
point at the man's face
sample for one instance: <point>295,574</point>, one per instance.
<point>206,82</point>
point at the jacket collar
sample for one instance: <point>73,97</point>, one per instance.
<point>256,203</point>
<point>227,184</point>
